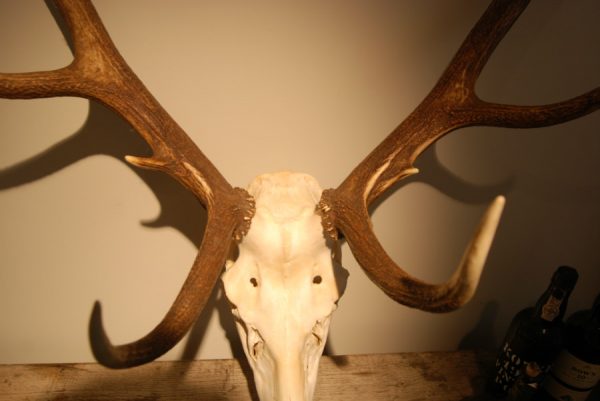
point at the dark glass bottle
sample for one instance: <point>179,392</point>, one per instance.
<point>535,335</point>
<point>576,370</point>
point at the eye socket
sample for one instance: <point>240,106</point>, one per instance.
<point>254,282</point>
<point>317,279</point>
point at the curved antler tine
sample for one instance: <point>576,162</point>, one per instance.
<point>393,280</point>
<point>183,312</point>
<point>451,104</point>
<point>463,283</point>
<point>233,224</point>
<point>98,72</point>
<point>235,216</point>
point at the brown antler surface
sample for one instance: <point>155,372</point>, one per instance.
<point>450,105</point>
<point>98,72</point>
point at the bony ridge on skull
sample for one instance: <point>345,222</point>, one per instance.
<point>282,286</point>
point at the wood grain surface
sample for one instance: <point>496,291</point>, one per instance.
<point>431,376</point>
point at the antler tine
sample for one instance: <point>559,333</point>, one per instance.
<point>190,301</point>
<point>402,287</point>
<point>99,72</point>
<point>451,104</point>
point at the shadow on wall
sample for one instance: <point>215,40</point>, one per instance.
<point>434,173</point>
<point>104,133</point>
<point>481,337</point>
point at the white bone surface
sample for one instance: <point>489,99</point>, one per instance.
<point>282,286</point>
<point>296,86</point>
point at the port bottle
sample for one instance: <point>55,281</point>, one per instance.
<point>535,335</point>
<point>576,371</point>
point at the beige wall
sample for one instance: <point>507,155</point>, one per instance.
<point>305,86</point>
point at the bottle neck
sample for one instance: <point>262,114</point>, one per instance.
<point>551,306</point>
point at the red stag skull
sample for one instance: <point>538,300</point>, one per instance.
<point>280,280</point>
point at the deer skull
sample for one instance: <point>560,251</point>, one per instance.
<point>282,286</point>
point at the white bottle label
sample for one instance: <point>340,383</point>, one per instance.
<point>575,372</point>
<point>562,393</point>
<point>571,379</point>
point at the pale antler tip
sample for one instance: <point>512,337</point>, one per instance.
<point>499,201</point>
<point>412,171</point>
<point>477,252</point>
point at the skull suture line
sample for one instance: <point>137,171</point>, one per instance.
<point>282,286</point>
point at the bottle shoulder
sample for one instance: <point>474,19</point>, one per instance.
<point>534,338</point>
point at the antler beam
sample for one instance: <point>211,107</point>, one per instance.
<point>98,72</point>
<point>450,105</point>
<point>281,281</point>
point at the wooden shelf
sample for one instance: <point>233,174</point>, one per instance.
<point>443,376</point>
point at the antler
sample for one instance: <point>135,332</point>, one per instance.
<point>98,72</point>
<point>450,105</point>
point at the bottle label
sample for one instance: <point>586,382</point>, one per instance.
<point>574,372</point>
<point>558,391</point>
<point>551,308</point>
<point>508,368</point>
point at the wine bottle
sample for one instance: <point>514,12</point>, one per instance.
<point>535,334</point>
<point>576,371</point>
